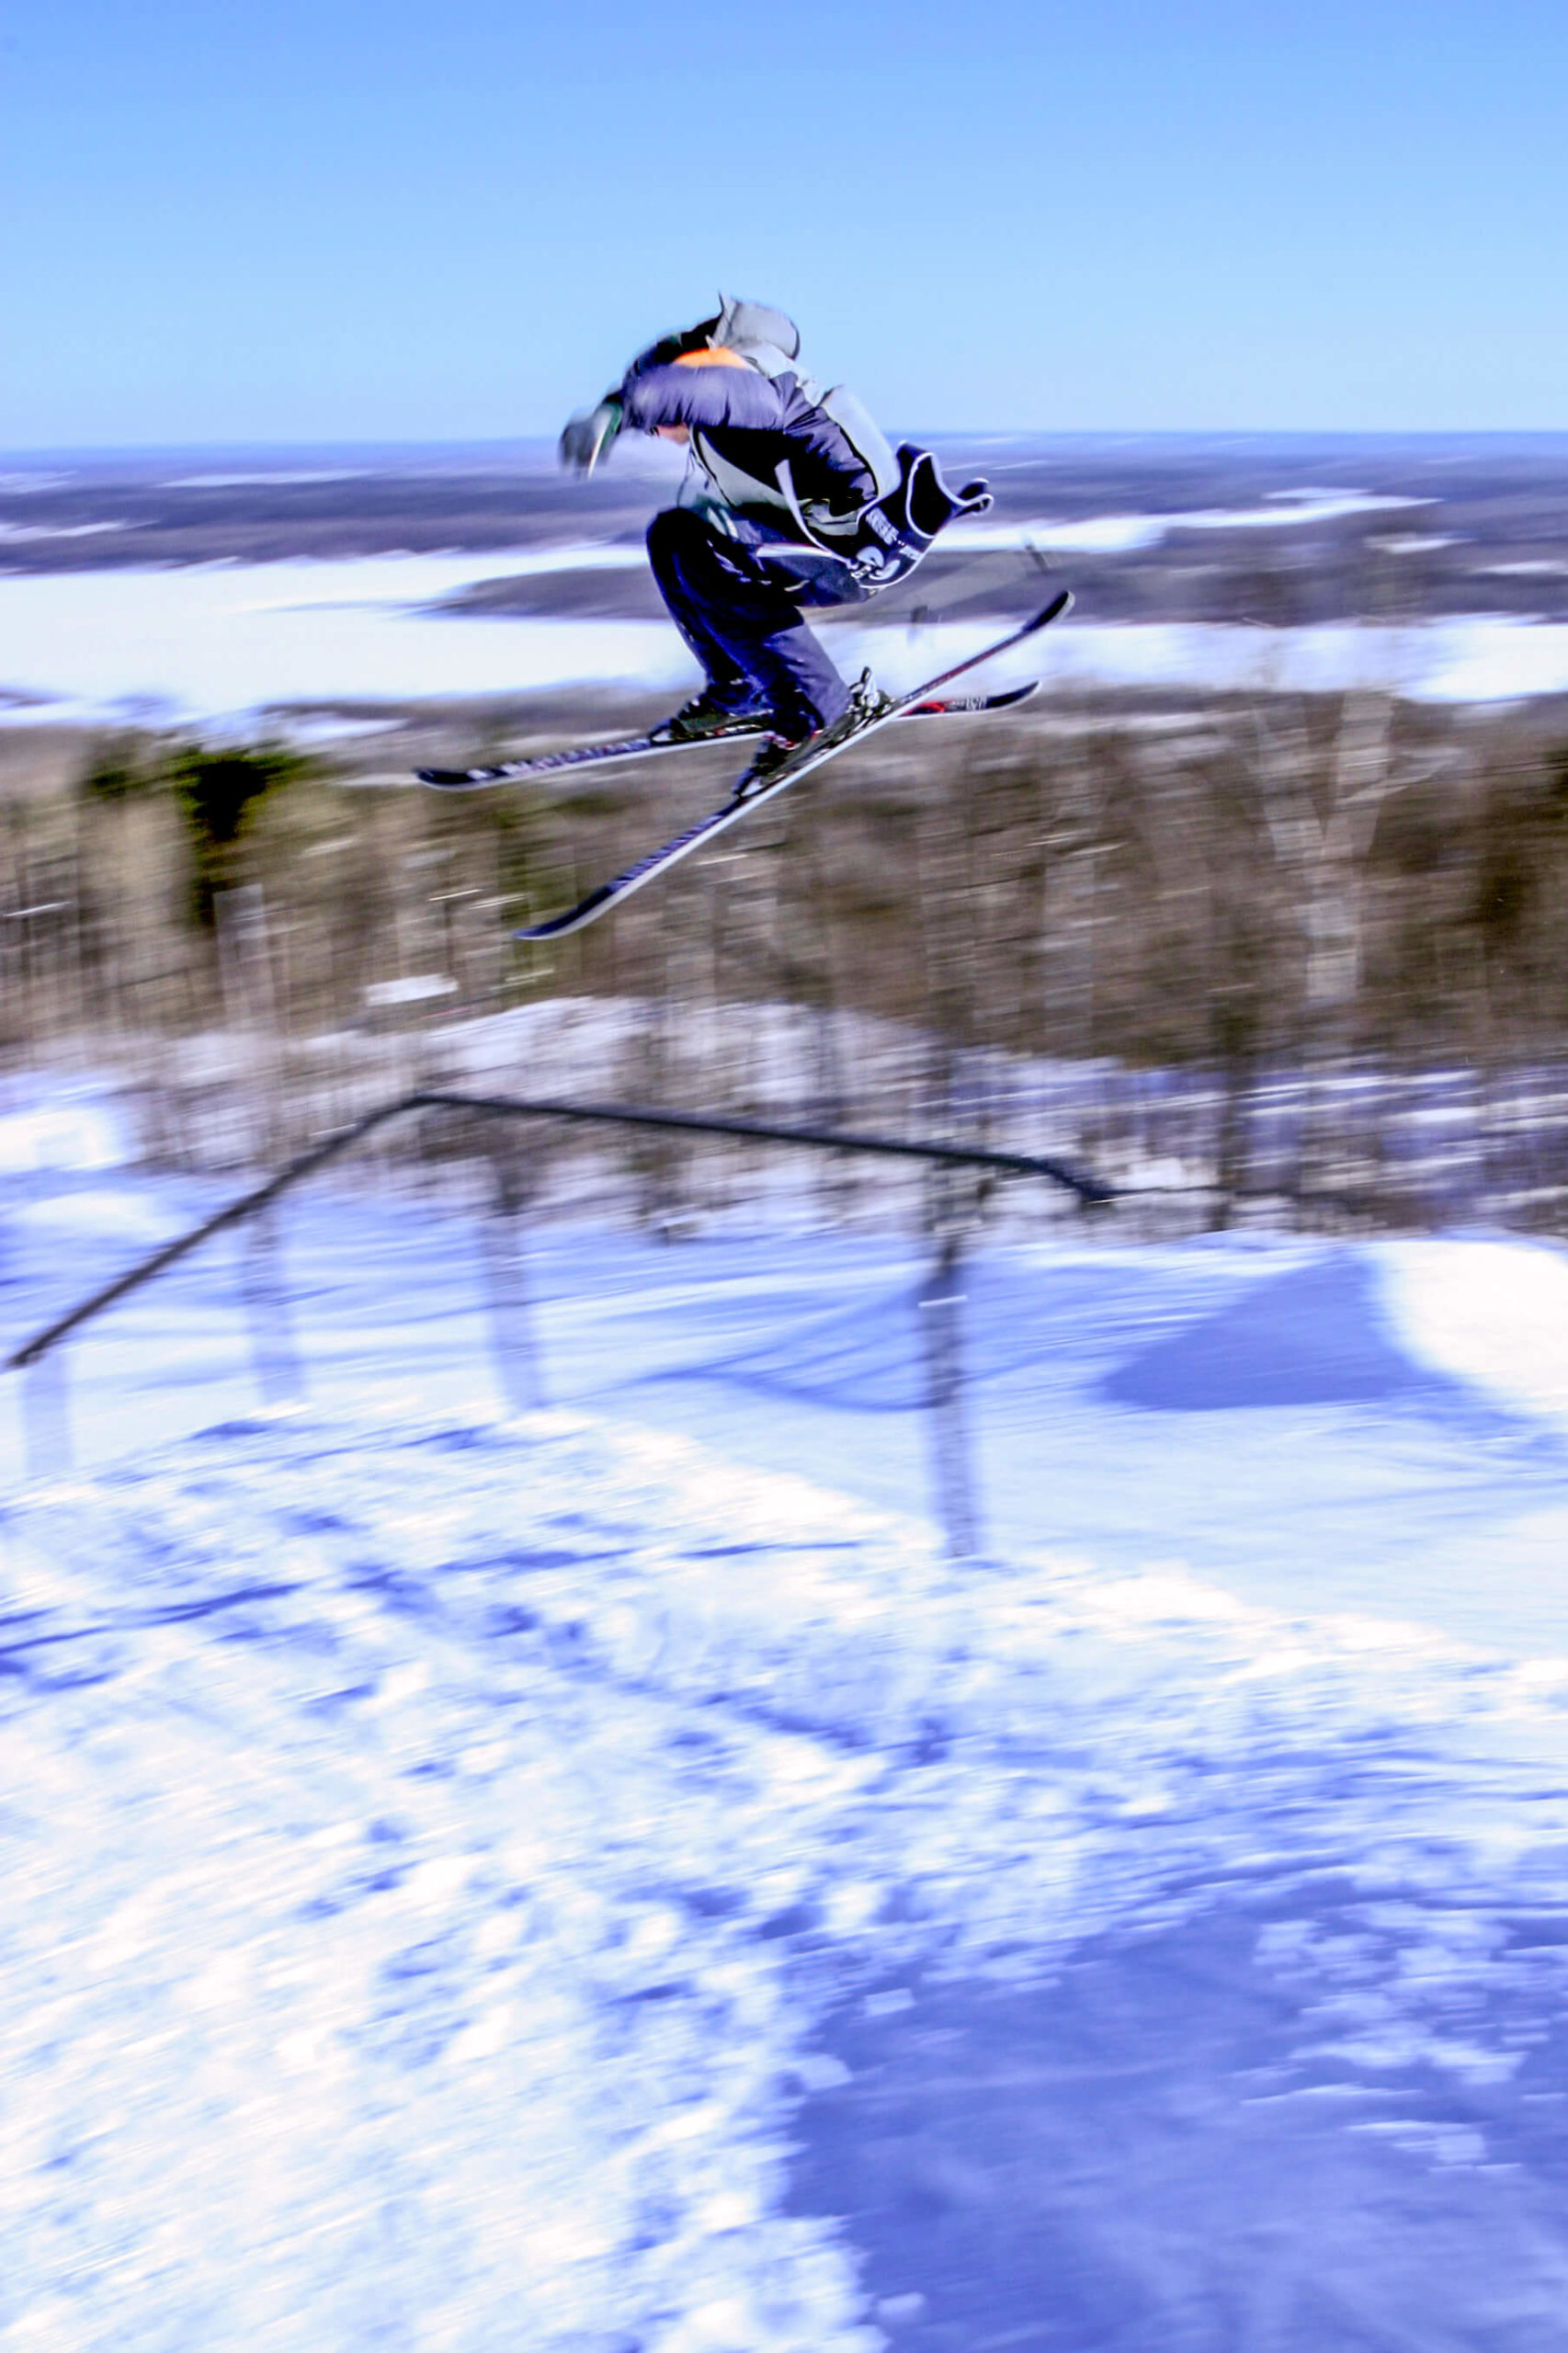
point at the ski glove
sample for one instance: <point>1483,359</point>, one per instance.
<point>894,532</point>
<point>586,438</point>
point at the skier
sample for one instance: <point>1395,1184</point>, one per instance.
<point>793,499</point>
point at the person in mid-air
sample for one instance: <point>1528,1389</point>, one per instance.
<point>793,499</point>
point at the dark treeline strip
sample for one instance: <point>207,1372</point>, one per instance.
<point>1291,945</point>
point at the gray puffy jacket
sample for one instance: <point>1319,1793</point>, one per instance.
<point>804,474</point>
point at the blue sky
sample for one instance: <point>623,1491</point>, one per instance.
<point>268,221</point>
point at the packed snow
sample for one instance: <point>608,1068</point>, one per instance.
<point>60,1129</point>
<point>602,1878</point>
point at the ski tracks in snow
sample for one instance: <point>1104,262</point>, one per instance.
<point>435,1845</point>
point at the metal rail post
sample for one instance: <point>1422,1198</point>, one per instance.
<point>512,1339</point>
<point>940,1304</point>
<point>274,1354</point>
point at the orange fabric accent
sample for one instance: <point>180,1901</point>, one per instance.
<point>718,354</point>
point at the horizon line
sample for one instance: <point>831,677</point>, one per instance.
<point>35,453</point>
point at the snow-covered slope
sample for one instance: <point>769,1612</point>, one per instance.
<point>603,1881</point>
<point>435,1847</point>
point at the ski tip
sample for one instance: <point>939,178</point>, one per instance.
<point>556,930</point>
<point>452,779</point>
<point>1061,603</point>
<point>1011,697</point>
<point>573,918</point>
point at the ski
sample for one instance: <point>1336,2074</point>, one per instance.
<point>642,747</point>
<point>658,862</point>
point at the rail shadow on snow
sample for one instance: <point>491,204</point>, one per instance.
<point>1316,1334</point>
<point>1057,1324</point>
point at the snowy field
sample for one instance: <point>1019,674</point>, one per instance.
<point>223,640</point>
<point>601,1880</point>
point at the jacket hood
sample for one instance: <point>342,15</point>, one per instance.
<point>765,337</point>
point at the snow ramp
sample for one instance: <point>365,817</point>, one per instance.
<point>1440,1323</point>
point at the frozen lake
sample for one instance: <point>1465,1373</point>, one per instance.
<point>231,639</point>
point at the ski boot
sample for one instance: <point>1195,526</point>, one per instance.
<point>704,720</point>
<point>867,704</point>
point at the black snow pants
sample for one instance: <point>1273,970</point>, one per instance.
<point>742,624</point>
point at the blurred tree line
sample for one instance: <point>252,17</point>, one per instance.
<point>1262,921</point>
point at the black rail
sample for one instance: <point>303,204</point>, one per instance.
<point>1088,1189</point>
